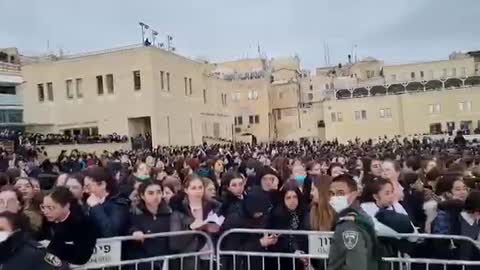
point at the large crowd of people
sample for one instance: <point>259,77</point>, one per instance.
<point>359,190</point>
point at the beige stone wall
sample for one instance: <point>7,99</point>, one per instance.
<point>176,117</point>
<point>410,113</point>
<point>431,70</point>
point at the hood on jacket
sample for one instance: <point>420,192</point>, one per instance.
<point>454,206</point>
<point>257,201</point>
<point>398,222</point>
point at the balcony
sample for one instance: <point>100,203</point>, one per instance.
<point>10,73</point>
<point>10,100</point>
<point>407,87</point>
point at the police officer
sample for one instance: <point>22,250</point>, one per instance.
<point>19,252</point>
<point>354,242</point>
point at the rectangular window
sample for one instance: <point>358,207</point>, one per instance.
<point>333,116</point>
<point>422,74</point>
<point>388,113</point>
<point>327,86</point>
<point>382,113</point>
<point>310,96</point>
<point>168,81</point>
<point>190,86</point>
<point>434,108</point>
<point>251,119</point>
<point>50,91</point>
<point>280,94</point>
<point>339,117</point>
<point>311,87</point>
<point>68,85</point>
<point>238,120</point>
<point>252,94</point>
<point>361,115</point>
<point>257,119</point>
<point>357,115</point>
<point>100,85</point>
<point>279,115</point>
<point>204,96</point>
<point>454,72</point>
<point>412,75</point>
<point>78,88</point>
<point>110,84</point>
<point>185,80</point>
<point>41,92</point>
<point>137,80</point>
<point>465,106</point>
<point>162,85</point>
<point>393,77</point>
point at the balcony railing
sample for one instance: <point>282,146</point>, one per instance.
<point>9,68</point>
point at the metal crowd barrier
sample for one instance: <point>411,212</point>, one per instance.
<point>108,255</point>
<point>318,253</point>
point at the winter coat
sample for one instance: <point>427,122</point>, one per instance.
<point>281,219</point>
<point>111,217</point>
<point>447,222</point>
<point>72,240</point>
<point>144,221</point>
<point>181,220</point>
<point>233,211</point>
<point>19,252</point>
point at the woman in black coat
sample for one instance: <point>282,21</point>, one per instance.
<point>257,209</point>
<point>71,233</point>
<point>151,216</point>
<point>291,215</point>
<point>233,185</point>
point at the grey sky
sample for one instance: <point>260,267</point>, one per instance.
<point>396,31</point>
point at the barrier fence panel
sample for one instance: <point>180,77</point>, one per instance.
<point>236,257</point>
<point>108,255</point>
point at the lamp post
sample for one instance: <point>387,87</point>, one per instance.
<point>144,27</point>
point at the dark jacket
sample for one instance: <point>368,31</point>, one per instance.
<point>144,221</point>
<point>181,220</point>
<point>283,219</point>
<point>447,222</point>
<point>72,240</point>
<point>19,252</point>
<point>232,210</point>
<point>111,217</point>
<point>256,201</point>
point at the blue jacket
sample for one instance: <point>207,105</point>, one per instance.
<point>111,217</point>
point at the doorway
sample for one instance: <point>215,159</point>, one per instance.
<point>140,132</point>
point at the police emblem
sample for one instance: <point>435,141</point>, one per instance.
<point>52,260</point>
<point>350,239</point>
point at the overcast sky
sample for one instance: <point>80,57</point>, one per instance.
<point>395,31</point>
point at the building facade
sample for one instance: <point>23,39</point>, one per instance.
<point>128,91</point>
<point>11,104</point>
<point>140,90</point>
<point>388,100</point>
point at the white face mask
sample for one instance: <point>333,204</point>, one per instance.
<point>339,203</point>
<point>4,236</point>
